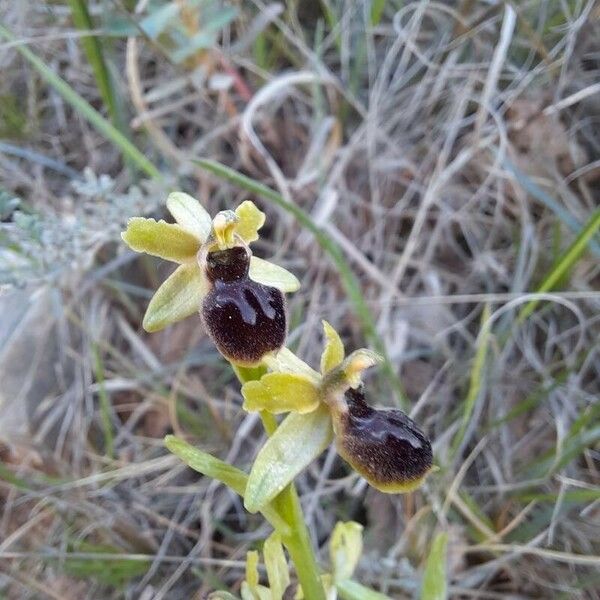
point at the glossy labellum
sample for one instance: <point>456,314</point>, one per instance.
<point>384,446</point>
<point>245,319</point>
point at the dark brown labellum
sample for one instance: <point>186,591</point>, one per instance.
<point>245,319</point>
<point>384,446</point>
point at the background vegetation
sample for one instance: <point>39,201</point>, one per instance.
<point>446,153</point>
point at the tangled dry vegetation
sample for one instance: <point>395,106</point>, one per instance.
<point>450,149</point>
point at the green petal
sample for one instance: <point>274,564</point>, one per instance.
<point>267,273</point>
<point>294,445</point>
<point>277,567</point>
<point>334,351</point>
<point>177,298</point>
<point>281,392</point>
<point>166,240</point>
<point>190,215</point>
<point>251,220</point>
<point>345,549</point>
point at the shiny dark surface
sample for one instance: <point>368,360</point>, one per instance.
<point>245,319</point>
<point>228,265</point>
<point>385,446</point>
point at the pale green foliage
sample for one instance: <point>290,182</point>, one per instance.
<point>345,549</point>
<point>434,578</point>
<point>190,215</point>
<point>268,273</point>
<point>277,567</point>
<point>294,445</point>
<point>177,298</point>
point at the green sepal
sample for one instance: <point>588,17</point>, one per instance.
<point>162,239</point>
<point>294,445</point>
<point>268,273</point>
<point>190,215</point>
<point>285,361</point>
<point>177,298</point>
<point>281,392</point>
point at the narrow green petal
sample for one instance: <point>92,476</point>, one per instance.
<point>159,238</point>
<point>177,298</point>
<point>345,549</point>
<point>277,567</point>
<point>251,220</point>
<point>267,273</point>
<point>190,215</point>
<point>334,351</point>
<point>294,445</point>
<point>281,392</point>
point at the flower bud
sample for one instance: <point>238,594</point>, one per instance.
<point>384,446</point>
<point>245,319</point>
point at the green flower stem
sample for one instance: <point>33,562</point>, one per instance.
<point>297,541</point>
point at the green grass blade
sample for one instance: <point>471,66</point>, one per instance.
<point>476,378</point>
<point>93,51</point>
<point>347,276</point>
<point>434,579</point>
<point>565,263</point>
<point>81,105</point>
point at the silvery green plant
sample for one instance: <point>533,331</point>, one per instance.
<point>241,302</point>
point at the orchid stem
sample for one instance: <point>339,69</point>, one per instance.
<point>297,541</point>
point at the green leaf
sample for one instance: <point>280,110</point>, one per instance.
<point>251,219</point>
<point>177,298</point>
<point>294,445</point>
<point>190,215</point>
<point>207,464</point>
<point>350,590</point>
<point>220,595</point>
<point>268,273</point>
<point>334,352</point>
<point>277,567</point>
<point>434,578</point>
<point>221,471</point>
<point>565,263</point>
<point>281,392</point>
<point>345,549</point>
<point>159,238</point>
